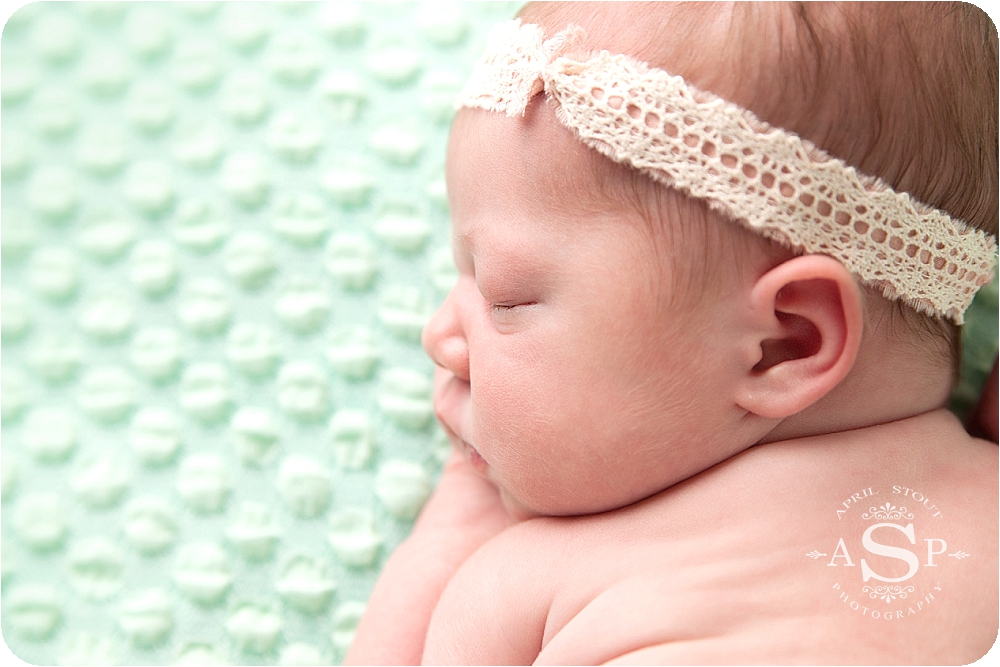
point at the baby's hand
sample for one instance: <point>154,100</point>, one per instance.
<point>462,515</point>
<point>465,503</point>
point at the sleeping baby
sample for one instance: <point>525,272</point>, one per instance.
<point>713,260</point>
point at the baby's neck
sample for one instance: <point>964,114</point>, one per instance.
<point>888,382</point>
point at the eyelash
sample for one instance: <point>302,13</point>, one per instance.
<point>500,309</point>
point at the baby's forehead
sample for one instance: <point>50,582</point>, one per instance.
<point>528,189</point>
<point>534,158</point>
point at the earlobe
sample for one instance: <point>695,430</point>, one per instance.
<point>807,320</point>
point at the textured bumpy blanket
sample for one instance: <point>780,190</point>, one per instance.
<point>223,228</point>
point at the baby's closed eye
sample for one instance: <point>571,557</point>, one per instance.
<point>507,307</point>
<point>510,307</point>
<point>506,315</point>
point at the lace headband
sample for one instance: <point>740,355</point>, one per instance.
<point>769,180</point>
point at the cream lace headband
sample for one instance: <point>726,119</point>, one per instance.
<point>767,179</point>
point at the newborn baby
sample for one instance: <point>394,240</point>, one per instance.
<point>694,366</point>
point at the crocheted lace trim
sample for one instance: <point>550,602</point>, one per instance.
<point>762,177</point>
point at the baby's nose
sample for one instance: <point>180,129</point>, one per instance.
<point>444,340</point>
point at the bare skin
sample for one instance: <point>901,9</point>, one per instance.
<point>714,570</point>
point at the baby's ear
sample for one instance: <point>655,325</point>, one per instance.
<point>806,322</point>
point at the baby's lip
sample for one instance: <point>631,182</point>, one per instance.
<point>449,431</point>
<point>479,464</point>
<point>448,402</point>
<point>476,459</point>
<point>447,405</point>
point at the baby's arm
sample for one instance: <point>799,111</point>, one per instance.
<point>464,512</point>
<point>494,610</point>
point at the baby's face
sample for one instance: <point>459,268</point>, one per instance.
<point>564,373</point>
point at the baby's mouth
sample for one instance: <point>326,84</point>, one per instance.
<point>476,459</point>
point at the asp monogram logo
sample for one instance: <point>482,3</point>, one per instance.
<point>895,560</point>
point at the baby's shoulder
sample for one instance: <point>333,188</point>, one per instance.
<point>878,545</point>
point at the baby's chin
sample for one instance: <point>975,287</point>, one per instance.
<point>517,510</point>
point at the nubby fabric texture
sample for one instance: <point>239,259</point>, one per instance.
<point>224,225</point>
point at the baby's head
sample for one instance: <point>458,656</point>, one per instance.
<point>609,336</point>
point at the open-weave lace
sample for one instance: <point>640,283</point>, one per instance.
<point>765,178</point>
